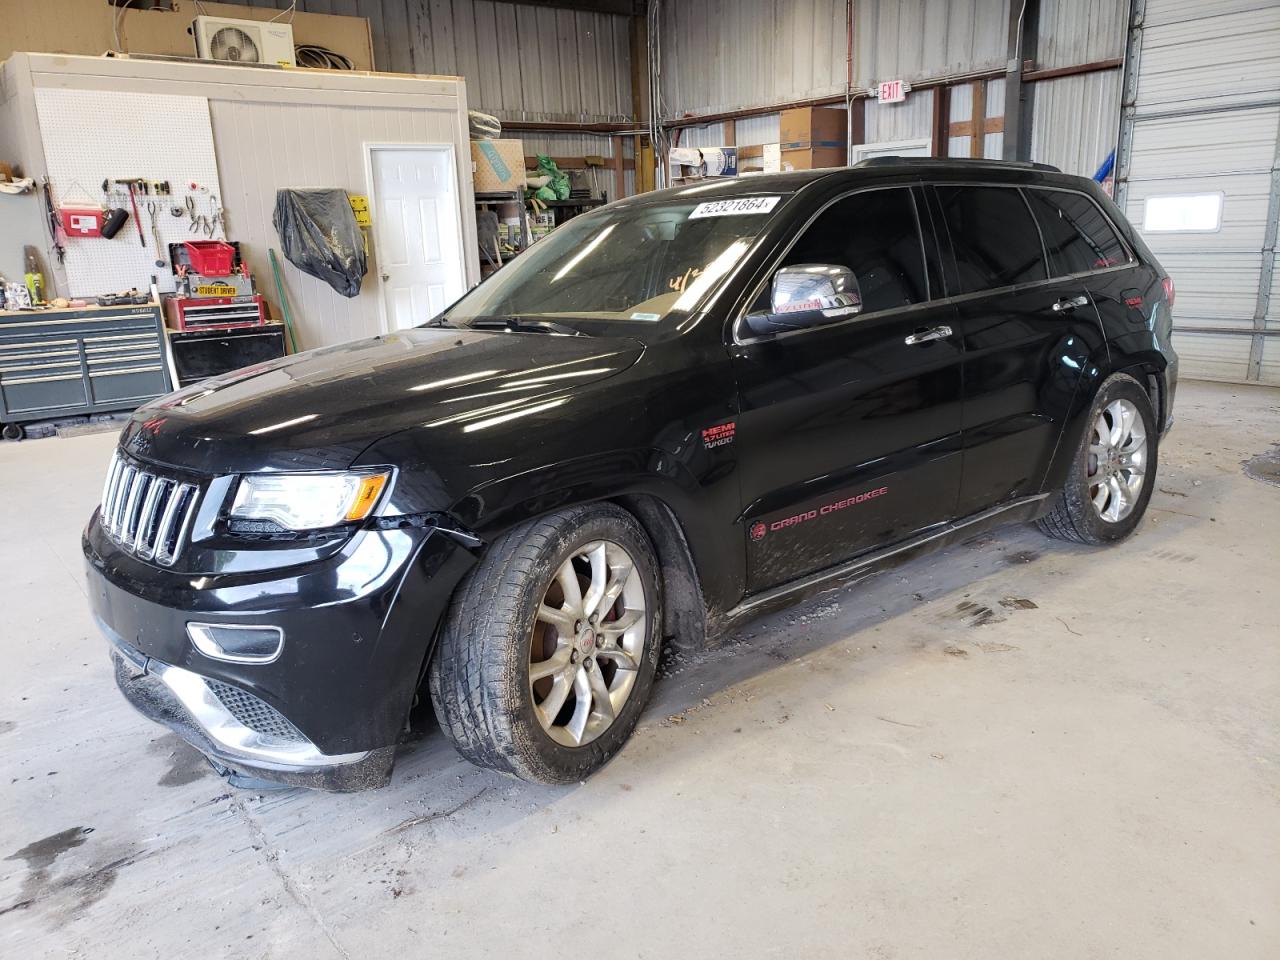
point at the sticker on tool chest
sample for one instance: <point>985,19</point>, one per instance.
<point>214,290</point>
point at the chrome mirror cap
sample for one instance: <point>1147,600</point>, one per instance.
<point>808,295</point>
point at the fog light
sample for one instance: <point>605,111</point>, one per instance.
<point>238,643</point>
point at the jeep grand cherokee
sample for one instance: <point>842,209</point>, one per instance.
<point>678,410</point>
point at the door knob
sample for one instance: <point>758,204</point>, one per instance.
<point>925,336</point>
<point>1067,305</point>
<point>387,276</point>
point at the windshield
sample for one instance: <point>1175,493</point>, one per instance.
<point>634,263</point>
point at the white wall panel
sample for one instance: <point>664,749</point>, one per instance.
<point>909,120</point>
<point>263,147</point>
<point>756,130</point>
<point>1075,121</point>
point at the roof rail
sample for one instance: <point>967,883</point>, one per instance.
<point>892,160</point>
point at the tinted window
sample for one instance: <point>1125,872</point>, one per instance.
<point>1076,233</point>
<point>995,239</point>
<point>874,234</point>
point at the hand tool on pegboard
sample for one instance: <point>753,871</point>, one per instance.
<point>57,234</point>
<point>130,183</point>
<point>153,211</point>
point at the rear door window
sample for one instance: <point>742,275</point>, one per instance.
<point>994,237</point>
<point>1076,232</point>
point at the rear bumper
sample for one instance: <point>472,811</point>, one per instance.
<point>358,626</point>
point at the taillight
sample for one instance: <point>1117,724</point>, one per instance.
<point>1168,290</point>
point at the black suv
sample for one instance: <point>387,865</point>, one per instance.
<point>677,411</point>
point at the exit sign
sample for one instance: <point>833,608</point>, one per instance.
<point>892,91</point>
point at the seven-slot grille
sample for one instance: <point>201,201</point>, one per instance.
<point>146,514</point>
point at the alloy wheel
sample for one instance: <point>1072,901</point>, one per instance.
<point>586,644</point>
<point>1117,462</point>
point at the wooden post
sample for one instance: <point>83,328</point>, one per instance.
<point>619,177</point>
<point>638,36</point>
<point>941,120</point>
<point>978,122</point>
<point>730,133</point>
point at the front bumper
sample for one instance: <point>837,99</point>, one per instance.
<point>189,705</point>
<point>358,627</point>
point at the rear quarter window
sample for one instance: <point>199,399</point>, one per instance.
<point>1077,234</point>
<point>993,235</point>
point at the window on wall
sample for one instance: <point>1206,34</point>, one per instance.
<point>1076,233</point>
<point>1182,213</point>
<point>876,235</point>
<point>994,237</point>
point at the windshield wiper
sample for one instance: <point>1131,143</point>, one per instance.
<point>524,325</point>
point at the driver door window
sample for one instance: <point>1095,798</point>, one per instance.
<point>876,235</point>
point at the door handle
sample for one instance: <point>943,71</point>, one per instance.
<point>925,336</point>
<point>1067,305</point>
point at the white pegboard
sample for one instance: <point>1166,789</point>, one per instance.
<point>92,135</point>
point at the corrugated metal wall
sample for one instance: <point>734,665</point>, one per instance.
<point>1075,121</point>
<point>1204,117</point>
<point>520,62</point>
<point>1079,31</point>
<point>726,55</point>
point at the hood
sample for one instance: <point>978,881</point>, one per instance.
<point>320,409</point>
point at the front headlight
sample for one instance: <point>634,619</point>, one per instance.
<point>308,501</point>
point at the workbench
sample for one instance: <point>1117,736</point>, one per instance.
<point>79,360</point>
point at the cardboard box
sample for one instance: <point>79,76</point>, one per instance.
<point>812,127</point>
<point>498,165</point>
<point>813,158</point>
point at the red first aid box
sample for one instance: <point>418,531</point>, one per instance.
<point>82,221</point>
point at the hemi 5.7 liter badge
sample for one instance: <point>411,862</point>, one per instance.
<point>719,435</point>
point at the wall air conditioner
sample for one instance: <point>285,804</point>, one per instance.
<point>243,41</point>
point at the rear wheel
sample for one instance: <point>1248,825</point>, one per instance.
<point>551,645</point>
<point>1114,469</point>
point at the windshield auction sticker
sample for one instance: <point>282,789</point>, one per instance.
<point>739,206</point>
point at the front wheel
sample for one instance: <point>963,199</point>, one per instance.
<point>550,647</point>
<point>1113,471</point>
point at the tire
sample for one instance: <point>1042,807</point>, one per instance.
<point>480,675</point>
<point>1083,512</point>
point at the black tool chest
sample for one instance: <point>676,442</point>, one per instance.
<point>56,363</point>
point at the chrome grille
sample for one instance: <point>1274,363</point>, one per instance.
<point>258,716</point>
<point>147,514</point>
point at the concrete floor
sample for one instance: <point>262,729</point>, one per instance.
<point>1014,748</point>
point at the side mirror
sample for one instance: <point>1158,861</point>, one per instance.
<point>808,295</point>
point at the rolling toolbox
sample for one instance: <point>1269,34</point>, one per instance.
<point>60,363</point>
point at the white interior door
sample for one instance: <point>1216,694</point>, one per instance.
<point>418,227</point>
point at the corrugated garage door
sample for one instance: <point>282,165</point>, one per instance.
<point>1199,143</point>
